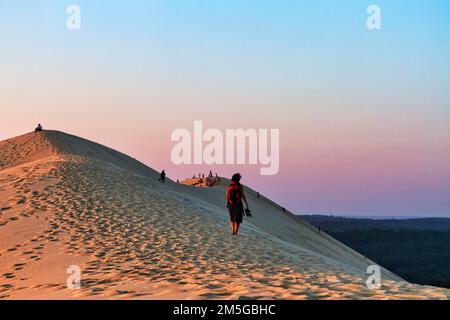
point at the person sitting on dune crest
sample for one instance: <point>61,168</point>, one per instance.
<point>235,195</point>
<point>38,128</point>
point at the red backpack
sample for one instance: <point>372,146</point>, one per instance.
<point>234,193</point>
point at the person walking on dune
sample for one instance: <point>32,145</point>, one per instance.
<point>162,176</point>
<point>235,196</point>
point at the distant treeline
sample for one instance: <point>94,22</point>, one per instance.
<point>418,250</point>
<point>345,224</point>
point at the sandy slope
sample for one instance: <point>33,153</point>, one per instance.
<point>68,201</point>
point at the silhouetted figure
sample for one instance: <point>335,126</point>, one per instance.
<point>235,196</point>
<point>209,182</point>
<point>162,177</point>
<point>38,128</point>
<point>217,179</point>
<point>257,195</point>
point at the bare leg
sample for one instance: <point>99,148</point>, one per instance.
<point>233,227</point>
<point>237,228</point>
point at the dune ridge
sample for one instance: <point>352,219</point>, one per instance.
<point>68,201</point>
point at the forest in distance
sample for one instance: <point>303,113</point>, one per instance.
<point>418,250</point>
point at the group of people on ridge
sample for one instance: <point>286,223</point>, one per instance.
<point>209,181</point>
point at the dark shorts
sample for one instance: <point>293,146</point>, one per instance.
<point>236,212</point>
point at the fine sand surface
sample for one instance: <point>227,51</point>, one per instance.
<point>68,201</point>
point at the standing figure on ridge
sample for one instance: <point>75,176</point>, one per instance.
<point>162,176</point>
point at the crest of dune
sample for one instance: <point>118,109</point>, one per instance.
<point>66,201</point>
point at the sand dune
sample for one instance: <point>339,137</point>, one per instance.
<point>68,201</point>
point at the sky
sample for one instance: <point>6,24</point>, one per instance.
<point>363,115</point>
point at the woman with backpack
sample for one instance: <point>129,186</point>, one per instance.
<point>235,196</point>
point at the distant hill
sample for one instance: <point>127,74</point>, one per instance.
<point>418,250</point>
